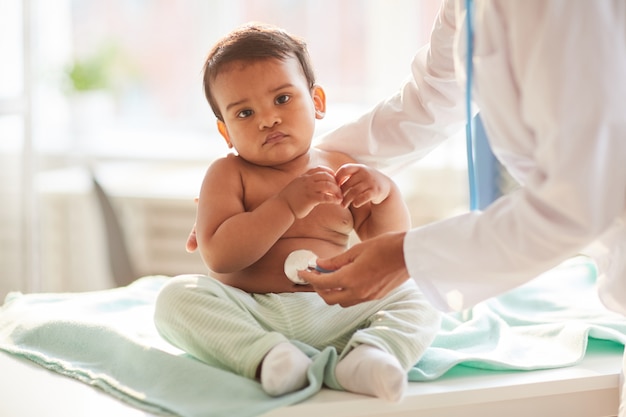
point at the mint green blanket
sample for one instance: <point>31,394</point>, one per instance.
<point>107,339</point>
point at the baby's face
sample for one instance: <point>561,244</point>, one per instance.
<point>268,109</point>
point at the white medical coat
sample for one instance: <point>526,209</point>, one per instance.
<point>550,80</point>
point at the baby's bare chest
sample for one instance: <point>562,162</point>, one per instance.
<point>324,218</point>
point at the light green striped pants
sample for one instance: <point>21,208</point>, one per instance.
<point>224,325</point>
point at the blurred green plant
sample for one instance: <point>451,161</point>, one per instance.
<point>101,71</point>
<point>88,75</point>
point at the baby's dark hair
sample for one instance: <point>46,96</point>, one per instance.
<point>254,42</point>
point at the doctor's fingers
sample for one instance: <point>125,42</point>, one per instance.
<point>344,296</point>
<point>339,296</point>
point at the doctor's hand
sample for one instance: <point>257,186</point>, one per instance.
<point>367,271</point>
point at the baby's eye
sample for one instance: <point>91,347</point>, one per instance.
<point>244,113</point>
<point>283,99</point>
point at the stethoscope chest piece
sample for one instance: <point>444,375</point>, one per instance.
<point>299,260</point>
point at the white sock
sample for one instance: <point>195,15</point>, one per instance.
<point>284,369</point>
<point>372,371</point>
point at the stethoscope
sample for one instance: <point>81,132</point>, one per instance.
<point>469,127</point>
<point>300,260</point>
<point>307,260</point>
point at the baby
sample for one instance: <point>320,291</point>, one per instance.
<point>276,195</point>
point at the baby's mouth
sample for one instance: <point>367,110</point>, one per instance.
<point>274,137</point>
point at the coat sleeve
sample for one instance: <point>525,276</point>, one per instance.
<point>566,61</point>
<point>428,108</point>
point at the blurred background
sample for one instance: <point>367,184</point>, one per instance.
<point>109,93</point>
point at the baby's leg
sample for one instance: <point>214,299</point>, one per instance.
<point>372,371</point>
<point>397,333</point>
<point>215,323</point>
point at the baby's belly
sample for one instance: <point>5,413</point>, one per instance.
<point>267,274</point>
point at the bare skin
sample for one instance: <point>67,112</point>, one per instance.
<point>278,194</point>
<point>324,230</point>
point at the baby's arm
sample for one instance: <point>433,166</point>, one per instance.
<point>374,199</point>
<point>230,237</point>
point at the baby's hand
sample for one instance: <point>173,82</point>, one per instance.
<point>316,186</point>
<point>361,184</point>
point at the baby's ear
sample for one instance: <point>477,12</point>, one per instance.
<point>221,127</point>
<point>319,100</point>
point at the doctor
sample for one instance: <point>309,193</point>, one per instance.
<point>550,81</point>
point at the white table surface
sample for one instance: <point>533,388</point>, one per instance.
<point>587,389</point>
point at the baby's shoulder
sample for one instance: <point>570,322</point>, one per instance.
<point>223,171</point>
<point>228,163</point>
<point>333,159</point>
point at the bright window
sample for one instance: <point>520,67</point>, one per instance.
<point>118,83</point>
<point>136,88</point>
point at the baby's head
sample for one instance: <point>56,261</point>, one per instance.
<point>253,42</point>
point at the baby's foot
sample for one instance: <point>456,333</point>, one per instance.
<point>284,369</point>
<point>372,371</point>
